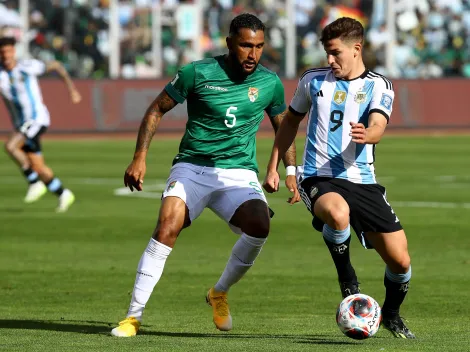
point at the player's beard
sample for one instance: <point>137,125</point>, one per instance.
<point>238,66</point>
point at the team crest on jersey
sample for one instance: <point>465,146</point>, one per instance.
<point>171,186</point>
<point>252,94</point>
<point>360,97</point>
<point>339,97</point>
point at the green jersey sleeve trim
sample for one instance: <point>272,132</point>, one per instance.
<point>172,92</point>
<point>277,110</point>
<point>183,83</point>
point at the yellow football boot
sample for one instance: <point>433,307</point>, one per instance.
<point>221,312</point>
<point>127,328</point>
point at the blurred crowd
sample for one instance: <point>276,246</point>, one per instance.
<point>432,37</point>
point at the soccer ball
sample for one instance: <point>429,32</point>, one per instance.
<point>358,316</point>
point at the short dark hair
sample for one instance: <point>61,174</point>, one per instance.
<point>4,41</point>
<point>246,20</point>
<point>344,28</point>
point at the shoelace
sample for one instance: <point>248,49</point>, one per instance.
<point>221,305</point>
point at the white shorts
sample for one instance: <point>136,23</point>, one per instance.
<point>221,190</point>
<point>30,129</point>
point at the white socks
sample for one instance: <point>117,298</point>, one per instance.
<point>149,271</point>
<point>244,253</point>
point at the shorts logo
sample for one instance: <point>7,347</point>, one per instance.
<point>386,101</point>
<point>360,97</point>
<point>256,187</point>
<point>171,186</point>
<point>253,94</point>
<point>339,97</point>
<point>313,191</point>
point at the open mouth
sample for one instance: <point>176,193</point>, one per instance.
<point>249,65</point>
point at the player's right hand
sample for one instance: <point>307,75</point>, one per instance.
<point>75,96</point>
<point>134,175</point>
<point>271,182</point>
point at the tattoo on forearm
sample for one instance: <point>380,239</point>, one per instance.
<point>162,104</point>
<point>290,158</point>
<point>146,131</point>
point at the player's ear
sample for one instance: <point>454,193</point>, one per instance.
<point>357,49</point>
<point>228,40</point>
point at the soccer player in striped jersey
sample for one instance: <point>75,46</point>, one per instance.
<point>21,93</point>
<point>348,108</point>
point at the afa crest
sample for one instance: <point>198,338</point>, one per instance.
<point>339,97</point>
<point>253,94</point>
<point>360,97</point>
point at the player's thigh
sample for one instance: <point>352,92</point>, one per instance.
<point>326,201</point>
<point>393,248</point>
<point>241,203</point>
<point>191,185</point>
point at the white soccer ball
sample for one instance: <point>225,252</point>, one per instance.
<point>358,316</point>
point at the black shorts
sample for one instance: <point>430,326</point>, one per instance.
<point>369,208</point>
<point>32,133</point>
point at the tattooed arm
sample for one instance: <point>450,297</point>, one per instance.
<point>134,176</point>
<point>161,105</point>
<point>289,158</point>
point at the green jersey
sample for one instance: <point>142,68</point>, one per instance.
<point>224,113</point>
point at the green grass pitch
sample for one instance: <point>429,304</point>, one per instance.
<point>65,279</point>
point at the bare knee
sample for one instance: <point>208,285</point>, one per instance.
<point>252,218</point>
<point>256,228</point>
<point>167,231</point>
<point>401,265</point>
<point>10,148</point>
<point>338,217</point>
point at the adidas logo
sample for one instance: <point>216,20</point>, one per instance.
<point>319,94</point>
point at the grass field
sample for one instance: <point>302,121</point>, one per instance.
<point>65,279</point>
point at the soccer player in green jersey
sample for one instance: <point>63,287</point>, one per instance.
<point>216,165</point>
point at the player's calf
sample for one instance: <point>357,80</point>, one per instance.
<point>338,242</point>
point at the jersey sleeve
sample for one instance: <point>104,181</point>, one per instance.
<point>34,67</point>
<point>300,103</point>
<point>183,83</point>
<point>382,98</point>
<point>277,104</point>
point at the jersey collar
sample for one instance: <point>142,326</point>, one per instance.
<point>363,75</point>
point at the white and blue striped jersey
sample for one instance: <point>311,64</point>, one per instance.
<point>22,95</point>
<point>332,104</point>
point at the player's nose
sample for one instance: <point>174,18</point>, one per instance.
<point>252,54</point>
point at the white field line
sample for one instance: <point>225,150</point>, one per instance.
<point>153,189</point>
<point>119,181</point>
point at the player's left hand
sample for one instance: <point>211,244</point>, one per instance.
<point>291,184</point>
<point>358,133</point>
<point>271,182</point>
<point>75,96</point>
